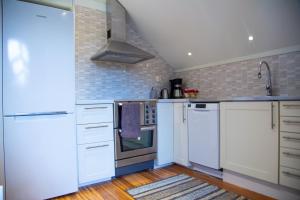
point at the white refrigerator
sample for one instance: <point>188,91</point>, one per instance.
<point>38,101</point>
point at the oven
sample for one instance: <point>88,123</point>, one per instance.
<point>134,151</point>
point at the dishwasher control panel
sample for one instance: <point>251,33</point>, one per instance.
<point>204,106</point>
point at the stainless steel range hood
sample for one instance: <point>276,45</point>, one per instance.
<point>117,49</point>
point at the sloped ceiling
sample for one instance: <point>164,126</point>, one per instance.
<point>215,30</point>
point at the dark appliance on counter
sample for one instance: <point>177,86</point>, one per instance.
<point>135,154</point>
<point>176,88</point>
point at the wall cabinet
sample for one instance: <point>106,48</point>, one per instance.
<point>249,139</point>
<point>95,143</point>
<point>180,134</point>
<point>289,173</point>
<point>165,134</point>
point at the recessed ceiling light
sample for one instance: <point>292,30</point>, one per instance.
<point>250,38</point>
<point>189,53</point>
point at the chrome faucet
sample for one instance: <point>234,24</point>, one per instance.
<point>269,82</point>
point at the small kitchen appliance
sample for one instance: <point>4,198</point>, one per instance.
<point>164,93</point>
<point>176,88</point>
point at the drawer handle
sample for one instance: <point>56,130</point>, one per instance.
<point>94,127</point>
<point>291,122</point>
<point>292,105</point>
<point>99,146</point>
<point>291,138</point>
<point>99,107</point>
<point>291,154</point>
<point>291,174</point>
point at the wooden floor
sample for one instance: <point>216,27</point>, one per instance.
<point>115,189</point>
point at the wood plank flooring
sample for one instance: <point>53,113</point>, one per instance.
<point>115,189</point>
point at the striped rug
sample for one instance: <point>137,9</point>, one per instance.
<point>181,187</point>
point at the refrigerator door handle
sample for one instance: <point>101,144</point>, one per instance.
<point>38,113</point>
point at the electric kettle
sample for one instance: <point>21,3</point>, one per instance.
<point>164,93</point>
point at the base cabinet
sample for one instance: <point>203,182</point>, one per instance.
<point>165,134</point>
<point>290,144</point>
<point>95,143</point>
<point>180,134</point>
<point>249,139</point>
<point>95,161</point>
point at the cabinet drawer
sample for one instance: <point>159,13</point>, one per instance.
<point>90,133</point>
<point>290,140</point>
<point>290,124</point>
<point>290,177</point>
<point>290,158</point>
<point>95,161</point>
<point>96,113</point>
<point>290,108</point>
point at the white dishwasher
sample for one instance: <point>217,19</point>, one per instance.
<point>204,137</point>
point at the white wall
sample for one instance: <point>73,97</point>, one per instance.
<point>1,118</point>
<point>216,31</point>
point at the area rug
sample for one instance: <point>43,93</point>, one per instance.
<point>181,187</point>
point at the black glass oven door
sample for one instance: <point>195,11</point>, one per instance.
<point>130,147</point>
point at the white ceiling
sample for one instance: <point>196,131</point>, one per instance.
<point>215,30</point>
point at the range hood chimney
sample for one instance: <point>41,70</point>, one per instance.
<point>117,49</point>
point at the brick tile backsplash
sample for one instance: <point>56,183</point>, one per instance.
<point>104,80</point>
<point>240,78</point>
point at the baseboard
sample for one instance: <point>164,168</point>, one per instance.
<point>207,170</point>
<point>269,189</point>
<point>162,166</point>
<point>94,182</point>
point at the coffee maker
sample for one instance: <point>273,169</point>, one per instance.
<point>176,88</point>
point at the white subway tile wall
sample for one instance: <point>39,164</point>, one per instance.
<point>107,80</point>
<point>240,78</point>
<point>114,81</point>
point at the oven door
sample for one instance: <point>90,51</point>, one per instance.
<point>128,148</point>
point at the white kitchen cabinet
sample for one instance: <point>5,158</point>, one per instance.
<point>165,133</point>
<point>95,161</point>
<point>249,139</point>
<point>89,133</point>
<point>1,118</point>
<point>95,143</point>
<point>94,113</point>
<point>290,144</point>
<point>180,134</point>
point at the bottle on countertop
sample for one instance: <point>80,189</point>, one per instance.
<point>153,93</point>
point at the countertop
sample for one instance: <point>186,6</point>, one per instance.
<point>203,100</point>
<point>249,98</point>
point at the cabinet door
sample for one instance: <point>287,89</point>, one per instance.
<point>96,161</point>
<point>249,139</point>
<point>1,119</point>
<point>180,134</point>
<point>165,132</point>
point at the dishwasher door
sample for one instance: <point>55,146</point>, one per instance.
<point>204,137</point>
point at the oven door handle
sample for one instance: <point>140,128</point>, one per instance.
<point>148,128</point>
